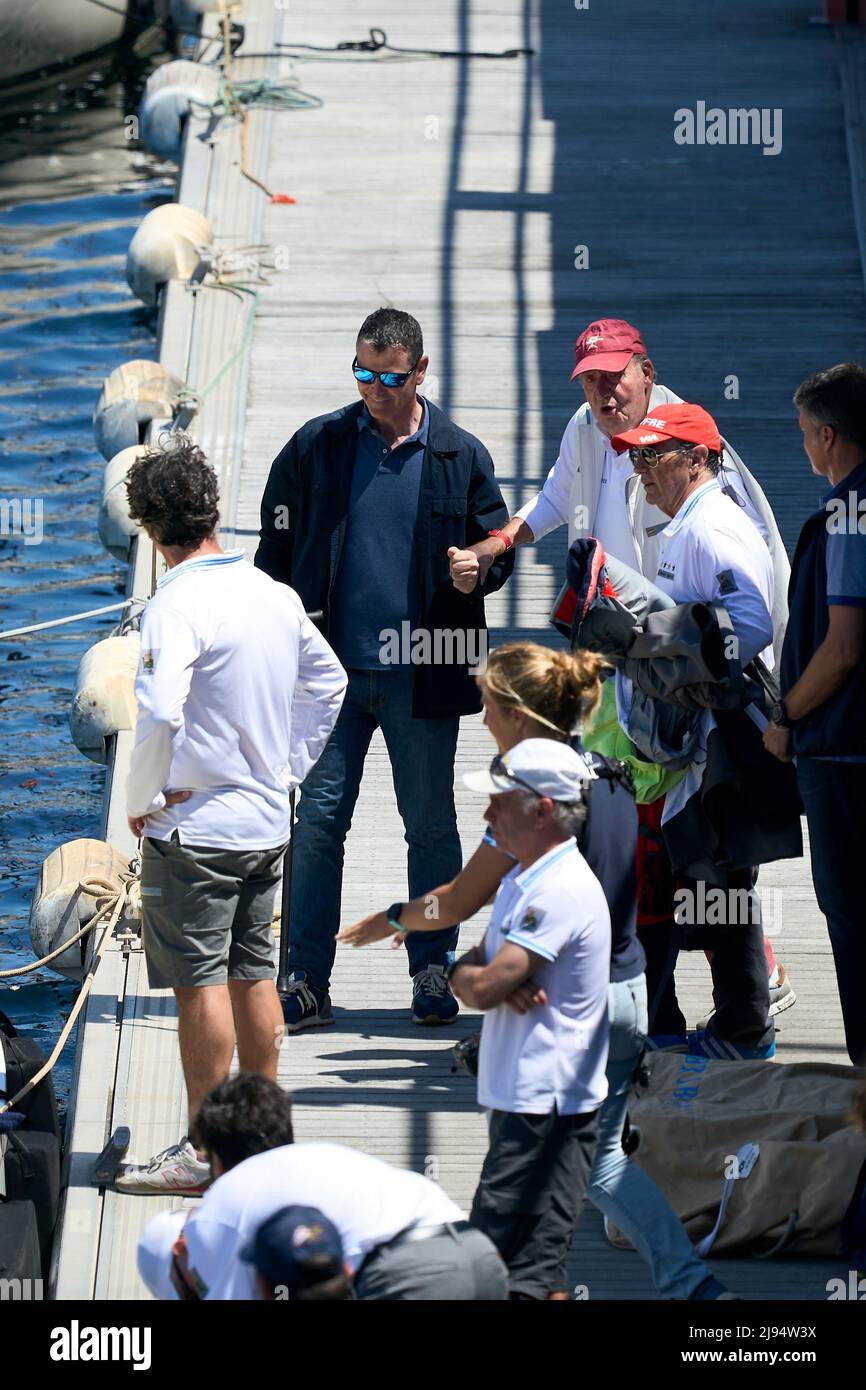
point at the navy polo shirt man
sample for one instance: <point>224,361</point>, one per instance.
<point>362,511</point>
<point>820,719</point>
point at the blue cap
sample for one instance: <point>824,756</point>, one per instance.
<point>296,1248</point>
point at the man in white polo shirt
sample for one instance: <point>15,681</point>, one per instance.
<point>402,1237</point>
<point>541,977</point>
<point>711,553</point>
<point>237,694</point>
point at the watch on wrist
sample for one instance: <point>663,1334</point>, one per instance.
<point>507,541</point>
<point>779,715</point>
<point>393,915</point>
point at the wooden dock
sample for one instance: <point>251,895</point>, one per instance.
<point>462,189</point>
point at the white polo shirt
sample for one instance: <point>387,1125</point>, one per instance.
<point>368,1201</point>
<point>237,695</point>
<point>553,1055</point>
<point>711,552</point>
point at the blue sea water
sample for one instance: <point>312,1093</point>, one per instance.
<point>72,192</point>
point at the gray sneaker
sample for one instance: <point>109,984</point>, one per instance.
<point>177,1169</point>
<point>782,995</point>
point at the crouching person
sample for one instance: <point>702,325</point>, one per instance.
<point>401,1236</point>
<point>541,977</point>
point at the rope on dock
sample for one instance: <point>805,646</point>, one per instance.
<point>96,888</point>
<point>114,906</point>
<point>190,399</point>
<point>73,618</point>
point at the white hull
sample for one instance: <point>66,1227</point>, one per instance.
<point>39,34</point>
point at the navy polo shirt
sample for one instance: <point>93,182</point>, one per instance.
<point>376,585</point>
<point>829,567</point>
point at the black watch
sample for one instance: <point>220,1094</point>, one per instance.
<point>393,915</point>
<point>779,715</point>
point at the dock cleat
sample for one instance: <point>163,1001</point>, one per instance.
<point>305,1006</point>
<point>177,1169</point>
<point>432,1000</point>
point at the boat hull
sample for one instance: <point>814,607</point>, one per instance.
<point>39,36</point>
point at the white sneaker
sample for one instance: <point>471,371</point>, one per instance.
<point>176,1169</point>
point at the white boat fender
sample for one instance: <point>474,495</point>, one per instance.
<point>169,94</point>
<point>137,394</point>
<point>167,246</point>
<point>60,907</point>
<point>104,700</point>
<point>116,527</point>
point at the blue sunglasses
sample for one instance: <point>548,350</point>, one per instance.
<point>392,379</point>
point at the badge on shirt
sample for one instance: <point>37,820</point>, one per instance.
<point>727,582</point>
<point>531,919</point>
<point>148,661</point>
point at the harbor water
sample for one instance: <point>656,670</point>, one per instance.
<point>73,187</point>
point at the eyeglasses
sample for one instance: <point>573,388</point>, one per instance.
<point>653,457</point>
<point>390,379</point>
<point>499,768</point>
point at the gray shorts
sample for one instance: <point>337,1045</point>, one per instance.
<point>207,913</point>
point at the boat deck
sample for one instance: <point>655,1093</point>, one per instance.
<point>462,189</point>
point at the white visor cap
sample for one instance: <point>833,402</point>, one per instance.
<point>541,765</point>
<point>154,1252</point>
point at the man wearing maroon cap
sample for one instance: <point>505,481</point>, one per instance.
<point>709,552</point>
<point>595,491</point>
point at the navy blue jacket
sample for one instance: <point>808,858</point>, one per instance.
<point>837,728</point>
<point>304,512</point>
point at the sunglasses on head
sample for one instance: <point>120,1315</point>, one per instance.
<point>653,457</point>
<point>391,379</point>
<point>499,768</point>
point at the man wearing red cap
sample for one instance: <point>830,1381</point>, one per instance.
<point>595,492</point>
<point>709,552</point>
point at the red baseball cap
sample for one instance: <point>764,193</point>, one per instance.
<point>608,345</point>
<point>688,422</point>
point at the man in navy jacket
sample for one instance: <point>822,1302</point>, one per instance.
<point>822,714</point>
<point>361,512</point>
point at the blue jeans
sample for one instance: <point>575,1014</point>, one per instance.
<point>422,765</point>
<point>834,795</point>
<point>620,1190</point>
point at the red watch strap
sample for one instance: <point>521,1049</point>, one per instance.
<point>506,540</point>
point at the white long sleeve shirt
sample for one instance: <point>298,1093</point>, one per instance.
<point>574,493</point>
<point>237,695</point>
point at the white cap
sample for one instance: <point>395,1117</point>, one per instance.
<point>542,765</point>
<point>154,1252</point>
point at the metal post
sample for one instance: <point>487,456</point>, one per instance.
<point>286,904</point>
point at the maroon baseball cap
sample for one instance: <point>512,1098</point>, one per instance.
<point>608,345</point>
<point>690,423</point>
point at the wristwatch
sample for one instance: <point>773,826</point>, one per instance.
<point>507,541</point>
<point>393,915</point>
<point>779,715</point>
